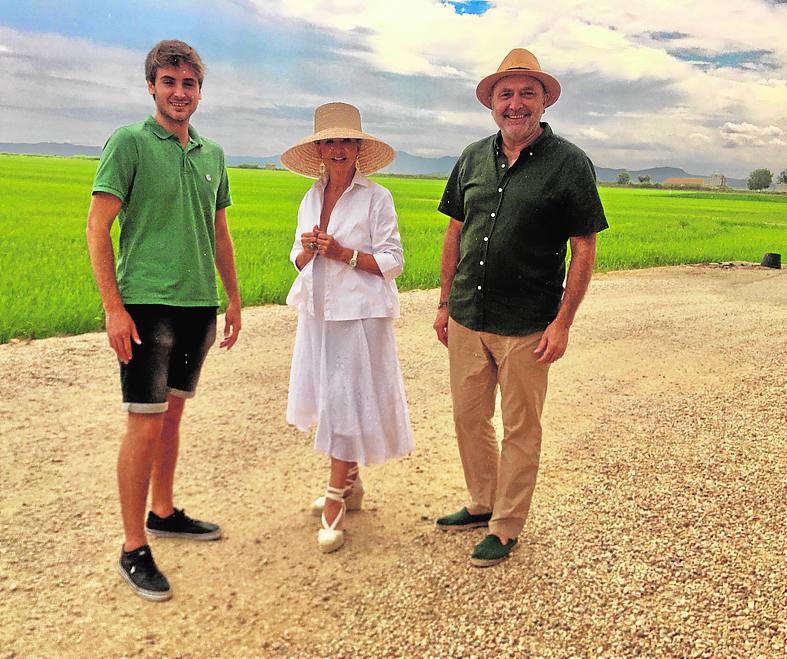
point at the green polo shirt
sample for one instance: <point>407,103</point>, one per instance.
<point>516,225</point>
<point>170,195</point>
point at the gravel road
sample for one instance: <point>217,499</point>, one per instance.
<point>657,526</point>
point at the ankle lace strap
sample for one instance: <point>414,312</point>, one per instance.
<point>351,479</point>
<point>334,493</point>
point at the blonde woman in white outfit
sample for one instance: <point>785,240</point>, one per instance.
<point>345,375</point>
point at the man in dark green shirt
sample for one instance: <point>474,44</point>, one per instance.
<point>515,199</point>
<point>168,188</point>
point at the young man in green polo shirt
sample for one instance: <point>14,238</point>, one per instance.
<point>515,200</point>
<point>168,188</point>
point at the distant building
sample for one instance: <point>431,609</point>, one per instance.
<point>716,181</point>
<point>678,182</point>
<point>780,187</point>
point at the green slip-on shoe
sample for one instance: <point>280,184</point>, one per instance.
<point>462,521</point>
<point>490,551</point>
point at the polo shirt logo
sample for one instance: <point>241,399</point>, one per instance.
<point>208,178</point>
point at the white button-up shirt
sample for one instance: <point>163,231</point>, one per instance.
<point>364,218</point>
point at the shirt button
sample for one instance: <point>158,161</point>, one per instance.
<point>480,263</point>
<point>479,288</point>
<point>531,153</point>
<point>486,239</point>
<point>493,214</point>
<point>500,189</point>
<point>503,165</point>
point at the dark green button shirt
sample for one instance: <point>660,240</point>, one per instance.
<point>516,225</point>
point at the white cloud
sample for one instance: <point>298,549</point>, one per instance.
<point>749,135</point>
<point>700,138</point>
<point>59,89</point>
<point>412,66</point>
<point>593,134</point>
<point>601,42</point>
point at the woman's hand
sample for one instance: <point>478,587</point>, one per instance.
<point>309,241</point>
<point>330,248</point>
<point>309,244</point>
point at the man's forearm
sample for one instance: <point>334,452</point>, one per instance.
<point>450,258</point>
<point>102,255</point>
<point>580,271</point>
<point>225,264</point>
<point>225,258</point>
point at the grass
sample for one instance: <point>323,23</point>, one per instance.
<point>47,286</point>
<point>662,227</point>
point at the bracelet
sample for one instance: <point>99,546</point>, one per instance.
<point>442,304</point>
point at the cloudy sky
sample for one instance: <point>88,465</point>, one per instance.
<point>699,85</point>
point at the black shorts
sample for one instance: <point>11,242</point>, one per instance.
<point>175,342</point>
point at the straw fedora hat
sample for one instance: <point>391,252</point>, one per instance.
<point>522,62</point>
<point>337,121</point>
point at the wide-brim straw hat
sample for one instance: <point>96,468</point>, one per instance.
<point>337,121</point>
<point>518,62</point>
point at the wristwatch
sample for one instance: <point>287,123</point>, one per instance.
<point>354,260</point>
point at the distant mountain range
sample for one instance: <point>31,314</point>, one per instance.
<point>405,163</point>
<point>658,175</point>
<point>50,149</point>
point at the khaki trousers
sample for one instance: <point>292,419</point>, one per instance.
<point>500,481</point>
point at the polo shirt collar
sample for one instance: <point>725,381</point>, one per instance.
<point>545,135</point>
<point>159,131</point>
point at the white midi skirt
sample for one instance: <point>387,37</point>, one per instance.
<point>345,378</point>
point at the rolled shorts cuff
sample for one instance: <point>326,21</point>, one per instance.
<point>146,408</point>
<point>179,393</point>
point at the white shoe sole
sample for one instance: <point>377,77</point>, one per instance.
<point>201,537</point>
<point>150,595</point>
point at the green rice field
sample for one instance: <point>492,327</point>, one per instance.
<point>46,285</point>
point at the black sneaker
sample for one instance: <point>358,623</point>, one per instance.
<point>180,525</point>
<point>139,569</point>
